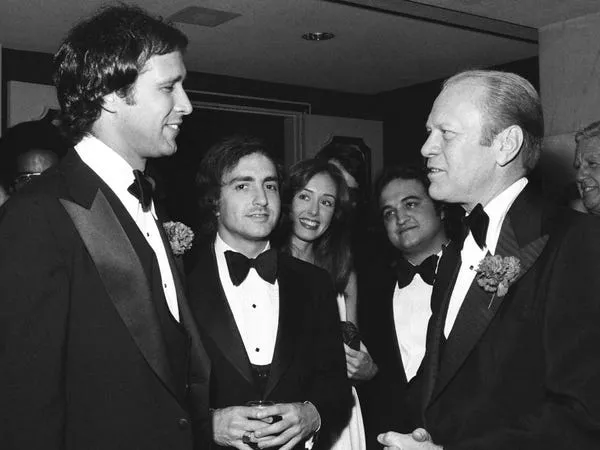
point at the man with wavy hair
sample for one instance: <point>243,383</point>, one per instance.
<point>98,348</point>
<point>269,321</point>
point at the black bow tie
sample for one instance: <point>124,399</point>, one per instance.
<point>142,188</point>
<point>239,266</point>
<point>477,222</point>
<point>405,271</point>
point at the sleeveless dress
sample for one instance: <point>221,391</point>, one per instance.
<point>353,436</point>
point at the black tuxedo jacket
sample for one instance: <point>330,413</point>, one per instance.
<point>388,401</point>
<point>523,373</point>
<point>308,362</point>
<point>83,355</point>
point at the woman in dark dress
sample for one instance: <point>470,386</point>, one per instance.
<point>316,204</point>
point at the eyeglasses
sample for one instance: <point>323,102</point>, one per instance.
<point>23,178</point>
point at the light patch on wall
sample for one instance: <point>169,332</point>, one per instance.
<point>204,17</point>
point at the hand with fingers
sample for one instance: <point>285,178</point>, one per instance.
<point>419,439</point>
<point>299,421</point>
<point>235,426</point>
<point>359,364</point>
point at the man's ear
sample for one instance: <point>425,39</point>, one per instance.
<point>215,205</point>
<point>110,102</point>
<point>509,142</point>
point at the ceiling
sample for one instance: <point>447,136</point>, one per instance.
<point>380,45</point>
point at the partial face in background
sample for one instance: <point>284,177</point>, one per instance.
<point>31,164</point>
<point>587,164</point>
<point>313,207</point>
<point>147,121</point>
<point>412,224</point>
<point>460,167</point>
<point>249,203</point>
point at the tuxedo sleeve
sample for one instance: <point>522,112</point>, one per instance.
<point>330,389</point>
<point>34,304</point>
<point>569,414</point>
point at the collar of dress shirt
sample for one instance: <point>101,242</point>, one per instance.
<point>111,168</point>
<point>497,208</point>
<point>221,246</point>
<point>437,264</point>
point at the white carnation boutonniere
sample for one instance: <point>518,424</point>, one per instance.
<point>496,273</point>
<point>180,237</point>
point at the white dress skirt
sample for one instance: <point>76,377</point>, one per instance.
<point>352,436</point>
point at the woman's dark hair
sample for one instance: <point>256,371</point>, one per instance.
<point>106,54</point>
<point>332,250</point>
<point>220,158</point>
<point>349,157</point>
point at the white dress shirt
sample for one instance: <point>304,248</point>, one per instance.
<point>412,311</point>
<point>118,175</point>
<point>471,255</point>
<point>255,307</point>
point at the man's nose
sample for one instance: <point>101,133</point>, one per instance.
<point>260,197</point>
<point>582,173</point>
<point>184,106</point>
<point>401,217</point>
<point>430,147</point>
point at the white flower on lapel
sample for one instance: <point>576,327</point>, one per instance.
<point>180,237</point>
<point>495,274</point>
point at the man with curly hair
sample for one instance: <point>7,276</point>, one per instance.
<point>269,321</point>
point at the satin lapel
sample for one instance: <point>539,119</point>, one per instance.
<point>288,328</point>
<point>508,245</point>
<point>124,278</point>
<point>524,232</point>
<point>479,306</point>
<point>440,297</point>
<point>216,317</point>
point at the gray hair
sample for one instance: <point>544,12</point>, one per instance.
<point>510,100</point>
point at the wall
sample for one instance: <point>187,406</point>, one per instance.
<point>320,129</point>
<point>30,67</point>
<point>2,94</point>
<point>570,73</point>
<point>28,101</point>
<point>570,88</point>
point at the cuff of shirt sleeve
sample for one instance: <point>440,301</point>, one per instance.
<point>310,442</point>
